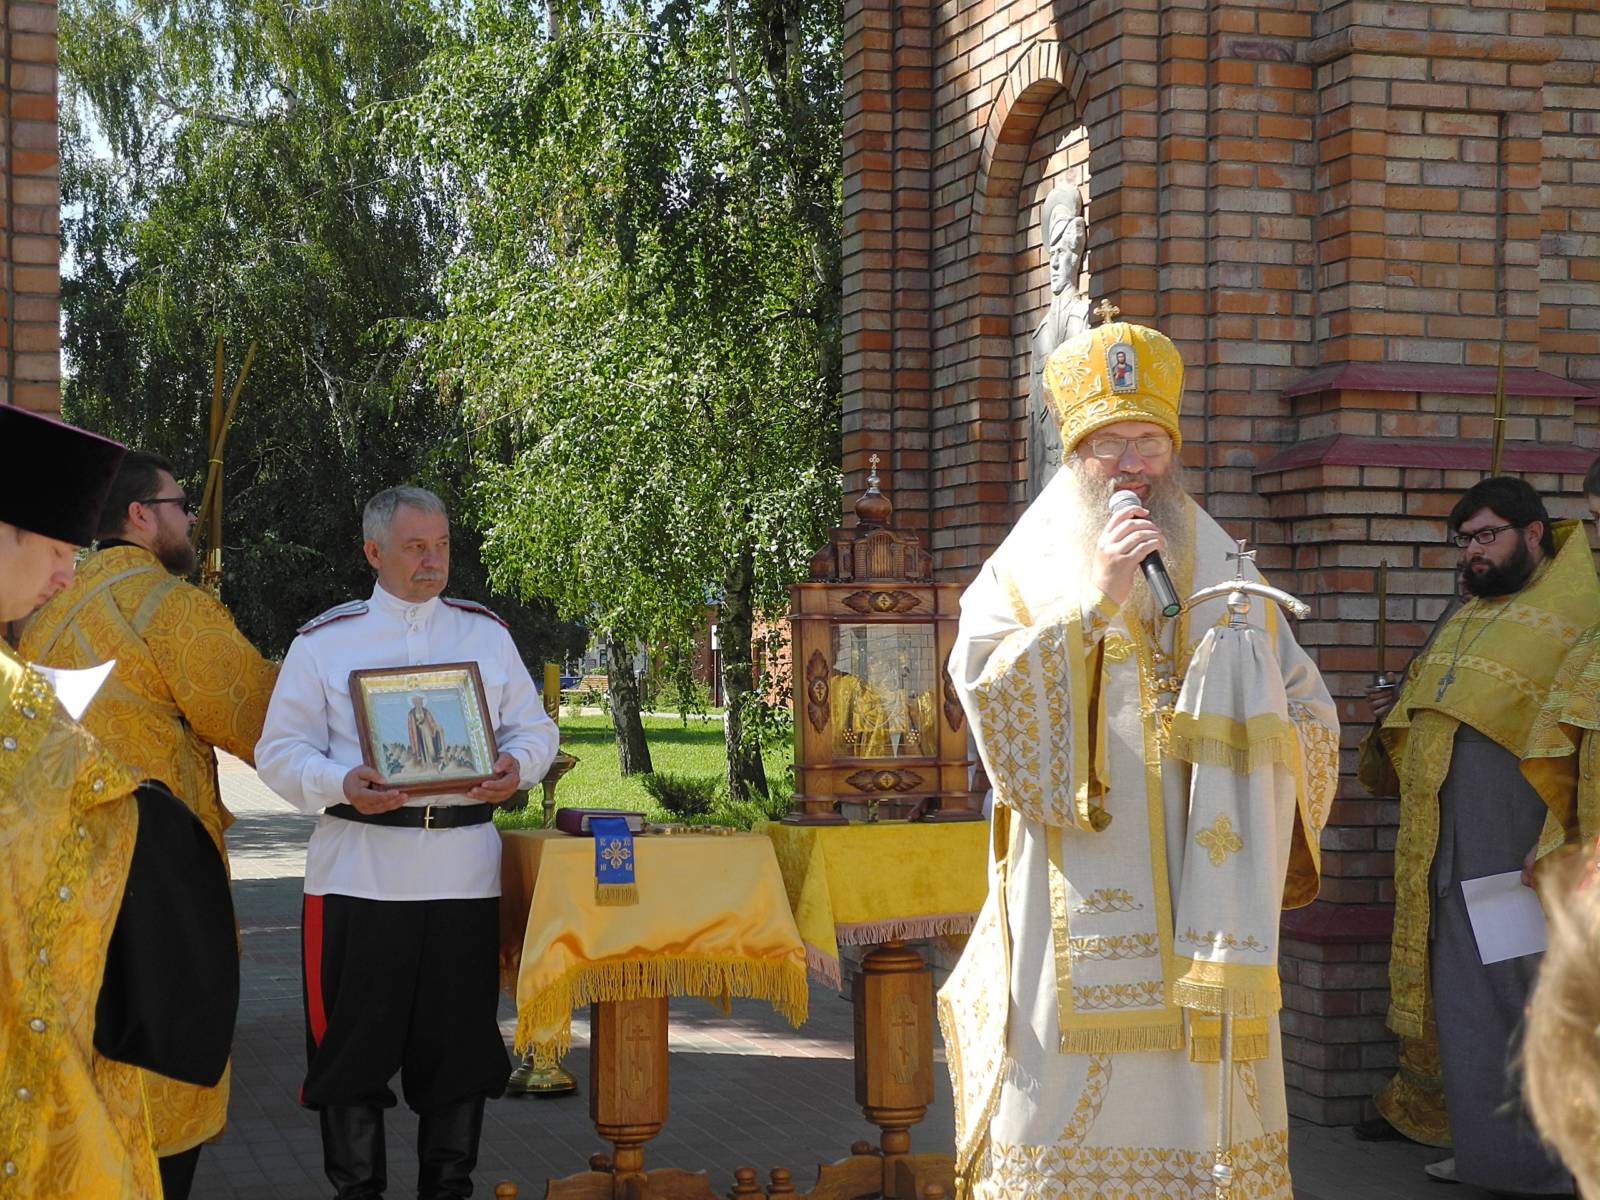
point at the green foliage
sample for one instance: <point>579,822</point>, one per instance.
<point>226,170</point>
<point>682,795</point>
<point>690,748</point>
<point>645,306</point>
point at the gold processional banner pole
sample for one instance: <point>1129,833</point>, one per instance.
<point>1383,623</point>
<point>1499,414</point>
<point>209,522</point>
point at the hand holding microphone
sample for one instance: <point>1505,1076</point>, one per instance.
<point>1131,541</point>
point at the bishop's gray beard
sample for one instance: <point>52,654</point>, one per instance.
<point>1168,505</point>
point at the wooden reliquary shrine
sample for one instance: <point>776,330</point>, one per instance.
<point>879,732</point>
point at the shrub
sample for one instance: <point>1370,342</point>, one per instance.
<point>683,796</point>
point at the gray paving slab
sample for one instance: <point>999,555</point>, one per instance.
<point>746,1090</point>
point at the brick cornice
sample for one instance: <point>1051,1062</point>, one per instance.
<point>1420,43</point>
<point>1435,378</point>
<point>1447,454</point>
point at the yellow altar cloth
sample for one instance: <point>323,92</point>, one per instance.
<point>861,885</point>
<point>711,921</point>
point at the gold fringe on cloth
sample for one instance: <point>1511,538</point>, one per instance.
<point>1239,989</point>
<point>875,933</point>
<point>1125,1039</point>
<point>824,968</point>
<point>783,985</point>
<point>1250,1041</point>
<point>616,895</point>
<point>1211,739</point>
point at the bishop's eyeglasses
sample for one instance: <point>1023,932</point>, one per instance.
<point>1111,447</point>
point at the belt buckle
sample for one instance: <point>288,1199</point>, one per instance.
<point>427,817</point>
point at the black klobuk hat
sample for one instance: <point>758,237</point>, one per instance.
<point>53,476</point>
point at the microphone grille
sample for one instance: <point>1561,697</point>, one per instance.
<point>1124,499</point>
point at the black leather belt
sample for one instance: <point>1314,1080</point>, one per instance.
<point>431,816</point>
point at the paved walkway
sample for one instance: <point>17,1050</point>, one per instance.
<point>746,1089</point>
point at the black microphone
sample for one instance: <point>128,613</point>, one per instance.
<point>1155,571</point>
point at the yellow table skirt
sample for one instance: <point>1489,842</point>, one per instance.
<point>860,885</point>
<point>711,921</point>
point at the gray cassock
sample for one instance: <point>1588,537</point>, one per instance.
<point>1488,817</point>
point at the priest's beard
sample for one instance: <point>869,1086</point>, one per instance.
<point>1500,581</point>
<point>1168,505</point>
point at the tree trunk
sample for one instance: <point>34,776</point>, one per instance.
<point>633,752</point>
<point>747,774</point>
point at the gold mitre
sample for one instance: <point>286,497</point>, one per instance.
<point>1114,372</point>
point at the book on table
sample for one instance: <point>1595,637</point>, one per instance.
<point>576,820</point>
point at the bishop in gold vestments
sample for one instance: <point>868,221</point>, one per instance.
<point>186,680</point>
<point>1126,911</point>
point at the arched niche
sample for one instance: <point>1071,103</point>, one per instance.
<point>1033,140</point>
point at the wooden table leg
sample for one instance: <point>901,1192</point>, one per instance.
<point>894,1049</point>
<point>628,1077</point>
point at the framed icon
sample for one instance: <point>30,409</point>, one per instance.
<point>425,729</point>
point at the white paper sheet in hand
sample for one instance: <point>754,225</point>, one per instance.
<point>76,688</point>
<point>1506,918</point>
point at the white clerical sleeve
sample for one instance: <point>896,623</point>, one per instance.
<point>524,730</point>
<point>1022,680</point>
<point>292,755</point>
<point>1316,724</point>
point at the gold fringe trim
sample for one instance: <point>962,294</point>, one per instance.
<point>1123,1041</point>
<point>1240,746</point>
<point>1238,989</point>
<point>783,984</point>
<point>1248,1046</point>
<point>875,933</point>
<point>616,895</point>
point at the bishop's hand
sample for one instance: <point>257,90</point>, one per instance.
<point>1128,538</point>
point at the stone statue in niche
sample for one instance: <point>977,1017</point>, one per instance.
<point>1065,234</point>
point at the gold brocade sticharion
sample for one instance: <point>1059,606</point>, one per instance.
<point>185,680</point>
<point>73,1125</point>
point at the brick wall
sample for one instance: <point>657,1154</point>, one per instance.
<point>30,210</point>
<point>1339,210</point>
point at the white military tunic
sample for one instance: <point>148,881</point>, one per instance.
<point>309,744</point>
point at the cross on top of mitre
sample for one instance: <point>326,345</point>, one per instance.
<point>1240,555</point>
<point>1107,312</point>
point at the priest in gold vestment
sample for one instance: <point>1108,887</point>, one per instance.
<point>1483,789</point>
<point>185,681</point>
<point>116,926</point>
<point>1127,911</point>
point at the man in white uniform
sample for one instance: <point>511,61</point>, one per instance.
<point>401,906</point>
<point>1147,829</point>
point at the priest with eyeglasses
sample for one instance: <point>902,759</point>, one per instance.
<point>1458,743</point>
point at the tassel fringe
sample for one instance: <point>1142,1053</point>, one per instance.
<point>872,933</point>
<point>1217,999</point>
<point>550,1012</point>
<point>1207,751</point>
<point>1122,1041</point>
<point>616,895</point>
<point>1247,1047</point>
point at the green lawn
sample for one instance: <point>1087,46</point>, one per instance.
<point>693,748</point>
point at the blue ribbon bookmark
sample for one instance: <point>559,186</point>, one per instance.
<point>613,862</point>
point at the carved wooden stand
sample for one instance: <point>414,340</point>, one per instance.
<point>628,1104</point>
<point>894,1086</point>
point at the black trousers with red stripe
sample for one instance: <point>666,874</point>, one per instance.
<point>409,986</point>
